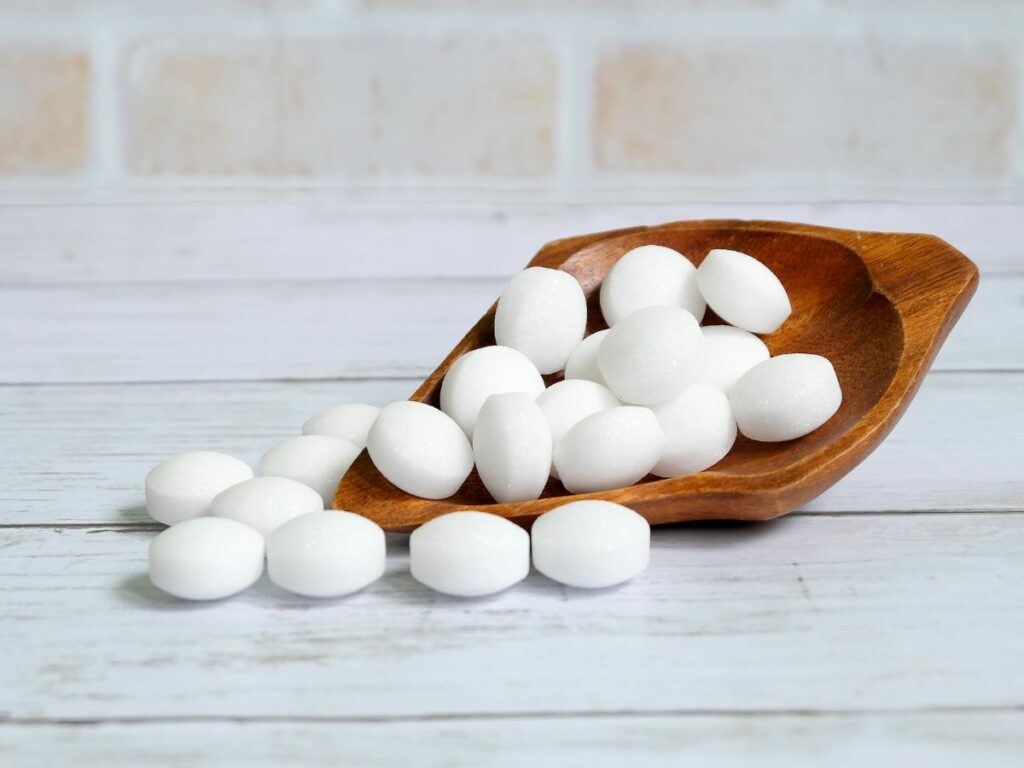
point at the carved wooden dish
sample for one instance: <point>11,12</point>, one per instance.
<point>877,305</point>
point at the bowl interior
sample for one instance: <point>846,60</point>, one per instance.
<point>836,313</point>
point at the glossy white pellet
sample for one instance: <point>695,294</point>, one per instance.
<point>582,362</point>
<point>350,422</point>
<point>699,431</point>
<point>542,313</point>
<point>206,558</point>
<point>184,486</point>
<point>728,354</point>
<point>264,503</point>
<point>483,372</point>
<point>568,402</point>
<point>650,276</point>
<point>326,554</point>
<point>512,447</point>
<point>469,554</point>
<point>317,461</point>
<point>420,449</point>
<point>651,355</point>
<point>591,544</point>
<point>609,449</point>
<point>743,291</point>
<point>785,397</point>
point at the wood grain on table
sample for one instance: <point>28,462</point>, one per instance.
<point>883,623</point>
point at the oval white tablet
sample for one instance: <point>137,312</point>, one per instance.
<point>609,449</point>
<point>314,460</point>
<point>543,313</point>
<point>483,372</point>
<point>420,449</point>
<point>469,554</point>
<point>743,291</point>
<point>264,503</point>
<point>651,355</point>
<point>350,422</point>
<point>512,447</point>
<point>591,544</point>
<point>184,486</point>
<point>206,558</point>
<point>582,362</point>
<point>728,354</point>
<point>568,402</point>
<point>650,276</point>
<point>326,554</point>
<point>785,397</point>
<point>699,431</point>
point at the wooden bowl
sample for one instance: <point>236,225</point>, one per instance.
<point>877,305</point>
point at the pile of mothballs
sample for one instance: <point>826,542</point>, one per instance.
<point>654,393</point>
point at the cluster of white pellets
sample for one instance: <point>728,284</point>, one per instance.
<point>654,393</point>
<point>226,531</point>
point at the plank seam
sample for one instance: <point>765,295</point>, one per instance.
<point>985,709</point>
<point>414,377</point>
<point>141,526</point>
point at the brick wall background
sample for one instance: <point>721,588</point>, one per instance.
<point>562,100</point>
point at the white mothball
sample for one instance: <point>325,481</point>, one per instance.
<point>743,291</point>
<point>649,276</point>
<point>483,372</point>
<point>326,554</point>
<point>728,354</point>
<point>512,447</point>
<point>350,422</point>
<point>568,402</point>
<point>609,449</point>
<point>317,461</point>
<point>542,313</point>
<point>184,486</point>
<point>206,558</point>
<point>582,362</point>
<point>420,449</point>
<point>650,356</point>
<point>264,503</point>
<point>469,554</point>
<point>785,397</point>
<point>699,431</point>
<point>591,544</point>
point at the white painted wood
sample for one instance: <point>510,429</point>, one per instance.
<point>825,638</point>
<point>865,613</point>
<point>316,241</point>
<point>78,454</point>
<point>261,330</point>
<point>937,740</point>
<point>211,331</point>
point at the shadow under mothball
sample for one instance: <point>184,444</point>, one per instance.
<point>139,591</point>
<point>134,513</point>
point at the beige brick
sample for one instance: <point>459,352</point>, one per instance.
<point>44,111</point>
<point>570,5</point>
<point>805,110</point>
<point>347,107</point>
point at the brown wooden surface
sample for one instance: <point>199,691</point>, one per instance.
<point>878,305</point>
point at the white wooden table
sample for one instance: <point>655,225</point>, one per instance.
<point>883,624</point>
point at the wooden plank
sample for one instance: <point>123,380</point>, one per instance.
<point>330,241</point>
<point>860,614</point>
<point>938,740</point>
<point>79,454</point>
<point>218,331</point>
<point>260,330</point>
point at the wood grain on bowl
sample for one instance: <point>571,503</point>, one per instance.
<point>878,305</point>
